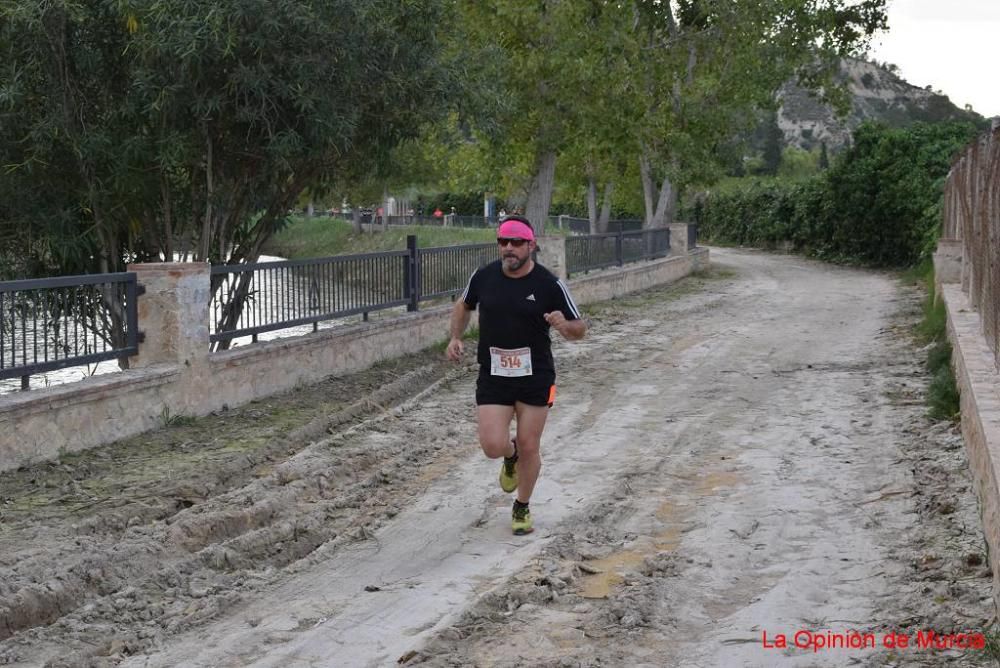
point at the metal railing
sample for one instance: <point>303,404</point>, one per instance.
<point>458,220</point>
<point>57,323</point>
<point>598,251</point>
<point>445,271</point>
<point>428,218</point>
<point>972,215</point>
<point>249,299</point>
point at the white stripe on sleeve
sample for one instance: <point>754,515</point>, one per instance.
<point>569,299</point>
<point>468,285</point>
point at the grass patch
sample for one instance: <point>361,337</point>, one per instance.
<point>992,650</point>
<point>323,237</point>
<point>942,394</point>
<point>714,272</point>
<point>920,274</point>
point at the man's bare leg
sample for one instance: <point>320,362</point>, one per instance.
<point>530,423</point>
<point>494,430</point>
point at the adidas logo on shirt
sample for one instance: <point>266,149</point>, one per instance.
<point>531,297</point>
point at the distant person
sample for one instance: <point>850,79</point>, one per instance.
<point>438,213</point>
<point>502,215</point>
<point>518,301</point>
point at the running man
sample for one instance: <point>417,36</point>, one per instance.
<point>519,301</point>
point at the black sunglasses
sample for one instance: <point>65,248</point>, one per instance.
<point>516,243</point>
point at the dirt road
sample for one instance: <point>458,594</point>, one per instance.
<point>742,454</point>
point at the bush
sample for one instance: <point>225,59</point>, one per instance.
<point>764,213</point>
<point>880,203</point>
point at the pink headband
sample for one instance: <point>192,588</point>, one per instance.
<point>515,229</point>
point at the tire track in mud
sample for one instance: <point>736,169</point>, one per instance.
<point>95,578</point>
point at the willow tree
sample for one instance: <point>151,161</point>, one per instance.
<point>139,128</point>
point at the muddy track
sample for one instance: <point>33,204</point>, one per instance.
<point>744,451</point>
<point>116,564</point>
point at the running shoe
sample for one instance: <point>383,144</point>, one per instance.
<point>521,520</point>
<point>508,473</point>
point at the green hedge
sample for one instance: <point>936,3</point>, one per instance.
<point>880,204</point>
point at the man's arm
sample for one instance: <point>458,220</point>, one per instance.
<point>572,328</point>
<point>460,316</point>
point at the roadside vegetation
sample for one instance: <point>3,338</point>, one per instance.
<point>942,394</point>
<point>931,333</point>
<point>879,204</point>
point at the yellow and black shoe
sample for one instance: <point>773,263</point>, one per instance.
<point>508,472</point>
<point>520,519</point>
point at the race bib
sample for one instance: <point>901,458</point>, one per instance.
<point>510,363</point>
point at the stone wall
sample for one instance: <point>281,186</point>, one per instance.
<point>599,286</point>
<point>175,374</point>
<point>979,386</point>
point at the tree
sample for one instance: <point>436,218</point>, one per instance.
<point>135,130</point>
<point>704,66</point>
<point>550,62</point>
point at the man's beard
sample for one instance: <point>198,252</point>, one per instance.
<point>513,263</point>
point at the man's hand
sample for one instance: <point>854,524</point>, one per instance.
<point>556,319</point>
<point>571,330</point>
<point>455,349</point>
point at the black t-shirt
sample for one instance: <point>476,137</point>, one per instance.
<point>511,311</point>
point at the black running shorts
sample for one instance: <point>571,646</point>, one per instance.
<point>537,390</point>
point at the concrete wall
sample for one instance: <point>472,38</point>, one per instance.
<point>41,424</point>
<point>979,385</point>
<point>271,367</point>
<point>602,285</point>
<point>174,373</point>
<point>947,264</point>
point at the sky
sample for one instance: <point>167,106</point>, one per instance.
<point>951,45</point>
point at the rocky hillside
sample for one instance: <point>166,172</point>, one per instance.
<point>877,94</point>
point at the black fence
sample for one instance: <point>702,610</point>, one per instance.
<point>597,251</point>
<point>57,323</point>
<point>250,299</point>
<point>445,271</point>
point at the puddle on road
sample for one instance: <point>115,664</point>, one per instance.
<point>614,567</point>
<point>673,516</point>
<point>599,585</point>
<point>708,483</point>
